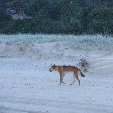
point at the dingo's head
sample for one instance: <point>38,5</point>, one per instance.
<point>53,68</point>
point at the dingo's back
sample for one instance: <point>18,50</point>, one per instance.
<point>64,69</point>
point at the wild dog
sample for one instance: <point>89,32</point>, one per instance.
<point>64,69</point>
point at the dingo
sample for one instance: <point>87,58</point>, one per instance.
<point>64,69</point>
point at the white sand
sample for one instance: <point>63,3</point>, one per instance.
<point>26,85</point>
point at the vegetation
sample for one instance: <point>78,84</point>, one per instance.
<point>60,16</point>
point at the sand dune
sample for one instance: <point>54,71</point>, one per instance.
<point>26,85</point>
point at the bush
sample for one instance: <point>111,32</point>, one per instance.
<point>83,64</point>
<point>61,16</point>
<point>4,22</point>
<point>69,14</point>
<point>100,21</point>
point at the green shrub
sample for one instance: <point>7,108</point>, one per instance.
<point>100,20</point>
<point>60,16</point>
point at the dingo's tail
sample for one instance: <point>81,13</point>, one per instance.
<point>82,75</point>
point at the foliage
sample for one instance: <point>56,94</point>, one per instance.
<point>100,20</point>
<point>61,16</point>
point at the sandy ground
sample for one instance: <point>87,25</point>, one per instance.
<point>27,86</point>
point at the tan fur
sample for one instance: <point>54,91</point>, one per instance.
<point>64,69</point>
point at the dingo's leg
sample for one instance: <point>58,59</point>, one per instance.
<point>61,78</point>
<point>76,76</point>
